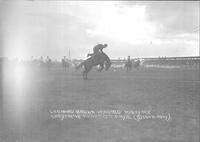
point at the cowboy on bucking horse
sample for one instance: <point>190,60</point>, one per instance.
<point>98,57</point>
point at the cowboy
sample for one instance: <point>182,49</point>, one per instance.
<point>98,49</point>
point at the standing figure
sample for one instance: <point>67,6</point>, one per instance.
<point>128,64</point>
<point>64,63</point>
<point>48,63</point>
<point>41,62</point>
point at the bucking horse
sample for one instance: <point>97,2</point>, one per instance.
<point>98,59</point>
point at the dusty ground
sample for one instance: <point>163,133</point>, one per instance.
<point>28,97</point>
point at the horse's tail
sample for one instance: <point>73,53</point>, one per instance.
<point>80,65</point>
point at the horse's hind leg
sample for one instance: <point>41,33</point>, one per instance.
<point>85,74</point>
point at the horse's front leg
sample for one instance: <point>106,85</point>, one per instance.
<point>101,67</point>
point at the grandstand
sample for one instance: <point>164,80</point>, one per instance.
<point>165,61</point>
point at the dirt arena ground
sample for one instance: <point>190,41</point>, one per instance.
<point>29,95</point>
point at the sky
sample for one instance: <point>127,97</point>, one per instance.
<point>130,28</point>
